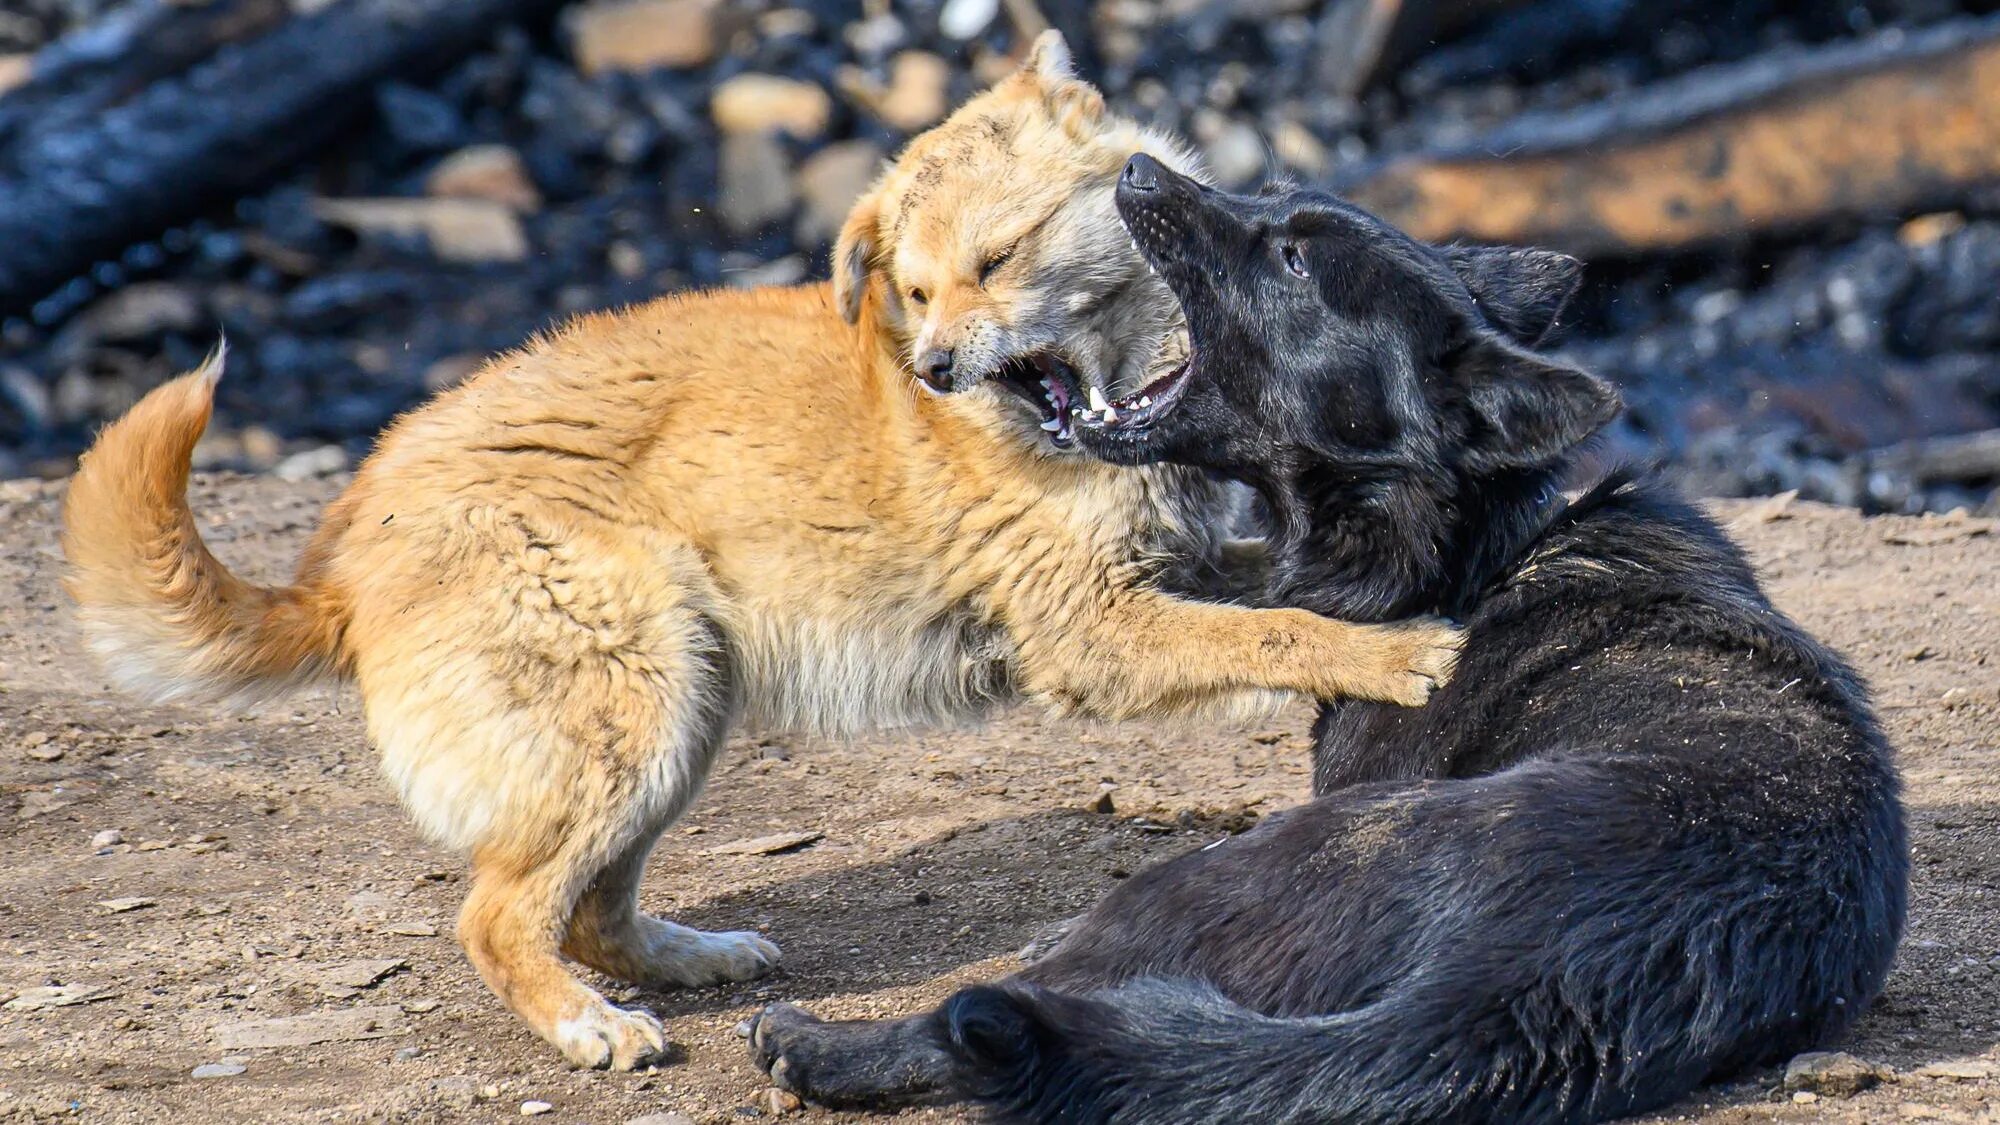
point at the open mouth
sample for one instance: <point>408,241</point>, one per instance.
<point>1145,406</point>
<point>1050,386</point>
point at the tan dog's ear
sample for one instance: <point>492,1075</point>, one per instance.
<point>1049,59</point>
<point>855,254</point>
<point>1075,104</point>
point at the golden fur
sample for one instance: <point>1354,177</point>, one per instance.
<point>558,584</point>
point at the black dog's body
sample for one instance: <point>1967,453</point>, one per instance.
<point>1649,834</point>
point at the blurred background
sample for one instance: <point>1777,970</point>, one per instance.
<point>1791,211</point>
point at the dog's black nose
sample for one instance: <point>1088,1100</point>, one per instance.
<point>936,368</point>
<point>1142,173</point>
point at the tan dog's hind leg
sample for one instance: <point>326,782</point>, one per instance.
<point>556,708</point>
<point>1146,652</point>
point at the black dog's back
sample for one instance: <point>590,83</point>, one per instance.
<point>1648,835</point>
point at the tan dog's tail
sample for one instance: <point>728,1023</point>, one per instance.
<point>166,619</point>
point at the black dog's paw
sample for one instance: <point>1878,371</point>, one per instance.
<point>772,1031</point>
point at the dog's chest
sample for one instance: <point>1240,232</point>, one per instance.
<point>847,676</point>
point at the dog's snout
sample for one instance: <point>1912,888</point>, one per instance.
<point>1142,173</point>
<point>936,368</point>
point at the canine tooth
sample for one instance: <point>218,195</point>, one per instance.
<point>1053,425</point>
<point>1097,399</point>
<point>1110,415</point>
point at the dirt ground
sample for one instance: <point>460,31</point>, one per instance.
<point>265,872</point>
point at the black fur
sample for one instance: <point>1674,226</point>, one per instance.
<point>1648,836</point>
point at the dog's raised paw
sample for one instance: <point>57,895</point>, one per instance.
<point>1420,658</point>
<point>603,1037</point>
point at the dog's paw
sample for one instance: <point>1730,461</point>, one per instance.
<point>601,1037</point>
<point>1417,658</point>
<point>771,1032</point>
<point>697,959</point>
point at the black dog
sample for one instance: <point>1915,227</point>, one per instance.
<point>1649,835</point>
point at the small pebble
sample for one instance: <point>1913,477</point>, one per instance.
<point>535,1109</point>
<point>777,1103</point>
<point>405,1054</point>
<point>109,838</point>
<point>219,1070</point>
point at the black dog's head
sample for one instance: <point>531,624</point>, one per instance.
<point>1321,336</point>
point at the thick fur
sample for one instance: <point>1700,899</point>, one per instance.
<point>558,584</point>
<point>1647,837</point>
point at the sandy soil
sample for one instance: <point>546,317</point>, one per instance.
<point>266,859</point>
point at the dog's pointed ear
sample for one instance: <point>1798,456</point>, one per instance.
<point>1049,58</point>
<point>1521,292</point>
<point>856,253</point>
<point>1529,409</point>
<point>1050,71</point>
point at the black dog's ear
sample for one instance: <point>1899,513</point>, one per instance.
<point>1528,409</point>
<point>1520,291</point>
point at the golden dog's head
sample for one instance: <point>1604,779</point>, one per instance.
<point>994,254</point>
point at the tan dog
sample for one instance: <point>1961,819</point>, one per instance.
<point>558,584</point>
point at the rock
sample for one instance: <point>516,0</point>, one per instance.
<point>57,996</point>
<point>642,34</point>
<point>755,185</point>
<point>15,69</point>
<point>661,1119</point>
<point>495,173</point>
<point>411,929</point>
<point>126,905</point>
<point>344,1026</point>
<point>765,103</point>
<point>405,1054</point>
<point>1102,803</point>
<point>776,1103</point>
<point>139,311</point>
<point>768,845</point>
<point>1236,154</point>
<point>457,230</point>
<point>1834,1074</point>
<point>44,751</point>
<point>219,1070</point>
<point>1962,1070</point>
<point>348,978</point>
<point>535,1109</point>
<point>109,838</point>
<point>963,19</point>
<point>419,1007</point>
<point>919,86</point>
<point>310,463</point>
<point>417,119</point>
<point>461,1090</point>
<point>829,183</point>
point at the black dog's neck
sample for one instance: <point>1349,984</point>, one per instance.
<point>1380,547</point>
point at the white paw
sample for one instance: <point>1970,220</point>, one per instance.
<point>705,958</point>
<point>603,1036</point>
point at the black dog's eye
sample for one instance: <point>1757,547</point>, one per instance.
<point>917,297</point>
<point>994,263</point>
<point>1294,261</point>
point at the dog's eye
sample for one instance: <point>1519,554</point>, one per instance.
<point>1294,261</point>
<point>917,297</point>
<point>994,263</point>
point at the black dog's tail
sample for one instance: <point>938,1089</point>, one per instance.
<point>1177,1053</point>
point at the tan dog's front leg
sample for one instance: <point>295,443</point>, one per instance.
<point>1146,652</point>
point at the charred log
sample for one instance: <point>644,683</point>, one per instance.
<point>1891,125</point>
<point>143,162</point>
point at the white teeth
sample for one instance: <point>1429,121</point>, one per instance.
<point>1145,400</point>
<point>1076,411</point>
<point>1097,400</point>
<point>1053,425</point>
<point>1110,415</point>
<point>1045,385</point>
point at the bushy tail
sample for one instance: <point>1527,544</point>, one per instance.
<point>1159,1052</point>
<point>1177,1053</point>
<point>166,619</point>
